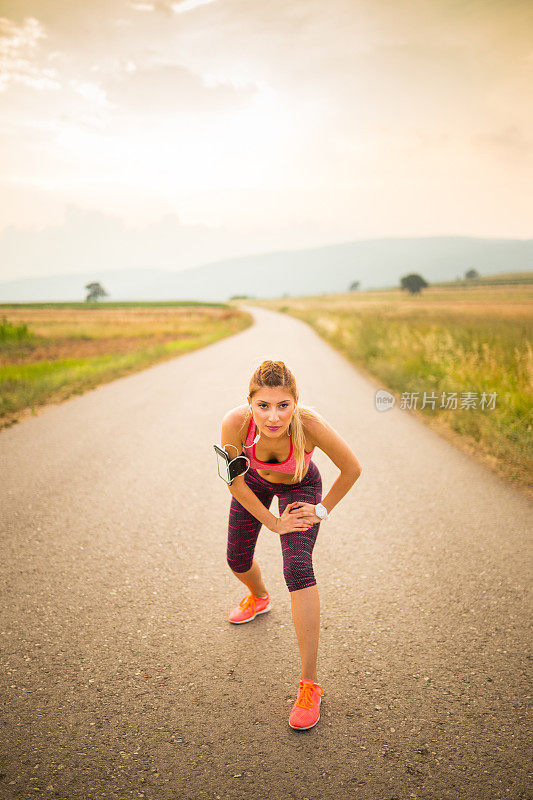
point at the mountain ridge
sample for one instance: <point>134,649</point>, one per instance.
<point>374,262</point>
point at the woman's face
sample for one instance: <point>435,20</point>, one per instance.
<point>272,410</point>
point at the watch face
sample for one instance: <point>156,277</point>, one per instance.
<point>321,511</point>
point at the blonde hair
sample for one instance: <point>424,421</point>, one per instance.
<point>274,374</point>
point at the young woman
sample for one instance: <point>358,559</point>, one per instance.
<point>279,436</point>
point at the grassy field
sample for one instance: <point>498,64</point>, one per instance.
<point>50,351</point>
<point>502,279</point>
<point>474,339</point>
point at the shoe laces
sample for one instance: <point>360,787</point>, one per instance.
<point>305,697</point>
<point>247,602</point>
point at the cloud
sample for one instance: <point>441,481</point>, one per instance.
<point>171,89</point>
<point>200,106</point>
<point>182,6</point>
<point>90,239</point>
<point>90,91</point>
<point>19,51</point>
<point>509,139</point>
<point>168,6</point>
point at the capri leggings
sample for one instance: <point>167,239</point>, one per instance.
<point>296,546</point>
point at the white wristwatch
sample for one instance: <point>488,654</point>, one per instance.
<point>321,511</point>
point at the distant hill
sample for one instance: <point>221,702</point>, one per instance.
<point>375,263</point>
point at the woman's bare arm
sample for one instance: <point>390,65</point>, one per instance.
<point>338,450</point>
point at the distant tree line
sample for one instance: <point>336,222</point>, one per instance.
<point>414,283</point>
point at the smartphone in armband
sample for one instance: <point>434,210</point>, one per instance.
<point>229,469</point>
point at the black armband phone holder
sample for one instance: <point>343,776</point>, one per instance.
<point>229,469</point>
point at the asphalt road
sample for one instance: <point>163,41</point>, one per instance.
<point>121,676</point>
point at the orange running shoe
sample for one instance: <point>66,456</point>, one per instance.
<point>306,710</point>
<point>249,607</point>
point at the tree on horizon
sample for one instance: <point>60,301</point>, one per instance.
<point>96,290</point>
<point>414,283</point>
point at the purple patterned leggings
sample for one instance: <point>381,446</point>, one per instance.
<point>296,546</point>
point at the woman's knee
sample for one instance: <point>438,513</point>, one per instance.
<point>242,537</point>
<point>298,573</point>
<point>239,564</point>
<point>302,581</point>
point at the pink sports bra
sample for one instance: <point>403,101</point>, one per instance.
<point>288,466</point>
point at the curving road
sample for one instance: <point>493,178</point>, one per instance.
<point>121,677</point>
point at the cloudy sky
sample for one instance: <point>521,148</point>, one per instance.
<point>138,133</point>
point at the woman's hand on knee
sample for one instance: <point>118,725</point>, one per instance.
<point>294,518</point>
<point>309,508</point>
<point>301,509</point>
